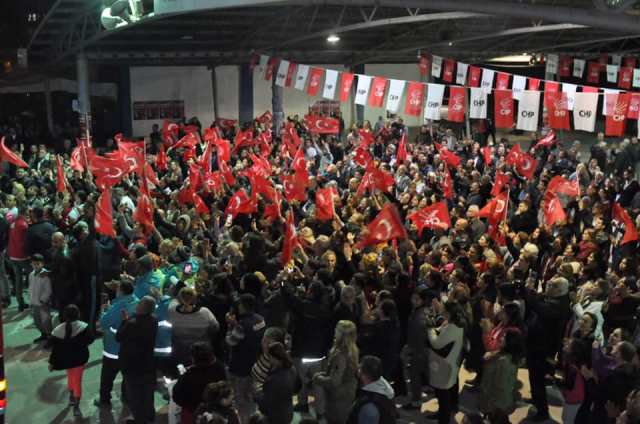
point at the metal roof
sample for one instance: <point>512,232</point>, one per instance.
<point>370,31</point>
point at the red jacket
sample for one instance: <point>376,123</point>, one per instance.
<point>17,249</point>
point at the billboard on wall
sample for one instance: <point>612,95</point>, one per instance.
<point>154,110</point>
<point>173,6</point>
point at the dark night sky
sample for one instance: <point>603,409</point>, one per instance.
<point>15,30</point>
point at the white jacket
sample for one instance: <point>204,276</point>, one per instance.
<point>39,288</point>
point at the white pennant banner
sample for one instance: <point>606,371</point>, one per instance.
<point>394,95</point>
<point>552,64</point>
<point>578,68</point>
<point>528,111</point>
<point>616,59</point>
<point>435,93</point>
<point>487,78</point>
<point>517,87</point>
<point>461,73</point>
<point>330,82</point>
<point>478,103</point>
<point>281,76</point>
<point>570,90</point>
<point>612,73</point>
<point>362,90</point>
<point>584,111</point>
<point>636,77</point>
<point>609,99</point>
<point>262,63</point>
<point>301,77</point>
<point>436,66</point>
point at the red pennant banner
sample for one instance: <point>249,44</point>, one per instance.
<point>346,81</point>
<point>424,64</point>
<point>503,108</point>
<point>550,87</point>
<point>615,122</point>
<point>447,73</point>
<point>593,72</point>
<point>534,84</point>
<point>290,70</point>
<point>414,99</point>
<point>456,104</point>
<point>474,76</point>
<point>315,75</point>
<point>634,106</point>
<point>564,66</point>
<point>502,81</point>
<point>624,77</point>
<point>603,59</point>
<point>557,110</point>
<point>270,68</point>
<point>629,62</point>
<point>376,94</point>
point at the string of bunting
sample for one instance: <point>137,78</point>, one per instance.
<point>565,103</point>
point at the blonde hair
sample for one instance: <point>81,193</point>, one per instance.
<point>187,296</point>
<point>344,341</point>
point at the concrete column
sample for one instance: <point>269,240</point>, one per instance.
<point>214,87</point>
<point>358,69</point>
<point>245,94</point>
<point>276,104</point>
<point>48,105</point>
<point>84,96</point>
<point>124,101</point>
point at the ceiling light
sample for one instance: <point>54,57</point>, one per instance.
<point>451,43</point>
<point>333,38</point>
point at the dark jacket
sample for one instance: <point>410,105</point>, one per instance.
<point>373,400</point>
<point>311,336</point>
<point>188,390</point>
<point>137,338</point>
<point>244,340</point>
<point>73,351</point>
<point>382,339</point>
<point>276,402</point>
<point>39,238</point>
<point>62,276</point>
<point>552,314</point>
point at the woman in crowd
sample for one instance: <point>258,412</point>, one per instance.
<point>276,399</point>
<point>217,405</point>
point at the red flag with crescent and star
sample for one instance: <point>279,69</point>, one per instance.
<point>321,124</point>
<point>618,213</point>
<point>324,204</point>
<point>433,216</point>
<point>290,241</point>
<point>386,226</point>
<point>103,219</point>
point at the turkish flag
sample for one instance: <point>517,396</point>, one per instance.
<point>524,163</point>
<point>560,184</point>
<point>533,84</point>
<point>189,142</point>
<point>295,186</point>
<point>501,180</point>
<point>557,110</point>
<point>450,158</point>
<point>201,207</point>
<point>290,241</point>
<point>8,155</point>
<point>78,157</point>
<point>324,204</point>
<point>376,94</point>
<point>456,104</point>
<point>447,183</point>
<point>162,161</point>
<point>625,76</point>
<point>547,141</point>
<point>474,76</point>
<point>447,72</point>
<point>502,81</point>
<point>261,165</point>
<point>205,159</point>
<point>414,99</point>
<point>243,139</point>
<point>362,156</point>
<point>291,138</point>
<point>262,185</point>
<point>298,163</point>
<point>375,178</point>
<point>315,75</point>
<point>366,138</point>
<point>487,155</point>
<point>634,106</point>
<point>103,217</point>
<point>321,125</point>
<point>226,124</point>
<point>143,214</point>
<point>615,123</point>
<point>552,210</point>
<point>619,214</point>
<point>60,185</point>
<point>401,155</point>
<point>424,64</point>
<point>272,210</point>
<point>496,209</point>
<point>223,149</point>
<point>564,66</point>
<point>107,171</point>
<point>170,132</point>
<point>434,216</point>
<point>270,68</point>
<point>346,81</point>
<point>290,70</point>
<point>213,182</point>
<point>386,226</point>
<point>265,118</point>
<point>593,72</point>
<point>226,172</point>
<point>239,203</point>
<point>629,62</point>
<point>503,108</point>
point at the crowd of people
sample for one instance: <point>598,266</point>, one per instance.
<point>259,312</point>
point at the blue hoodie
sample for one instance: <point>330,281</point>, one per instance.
<point>144,283</point>
<point>110,322</point>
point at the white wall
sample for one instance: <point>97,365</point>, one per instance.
<point>192,84</point>
<point>227,80</point>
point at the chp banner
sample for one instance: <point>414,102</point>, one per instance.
<point>528,111</point>
<point>435,93</point>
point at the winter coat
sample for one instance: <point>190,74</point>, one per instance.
<point>339,383</point>
<point>276,401</point>
<point>499,387</point>
<point>374,404</point>
<point>70,352</point>
<point>110,322</point>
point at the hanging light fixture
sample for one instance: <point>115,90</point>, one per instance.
<point>333,38</point>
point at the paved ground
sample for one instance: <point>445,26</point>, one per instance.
<point>36,395</point>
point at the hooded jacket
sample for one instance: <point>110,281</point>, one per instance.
<point>374,404</point>
<point>110,322</point>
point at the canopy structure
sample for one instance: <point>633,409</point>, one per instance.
<point>223,31</point>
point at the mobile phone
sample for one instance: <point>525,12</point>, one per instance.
<point>188,268</point>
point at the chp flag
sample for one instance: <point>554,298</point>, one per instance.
<point>435,93</point>
<point>330,82</point>
<point>456,107</point>
<point>584,111</point>
<point>478,103</point>
<point>301,77</point>
<point>396,87</point>
<point>362,89</point>
<point>503,108</point>
<point>434,216</point>
<point>346,81</point>
<point>528,111</point>
<point>415,98</point>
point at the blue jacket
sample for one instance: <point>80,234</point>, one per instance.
<point>144,283</point>
<point>110,322</point>
<point>163,335</point>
